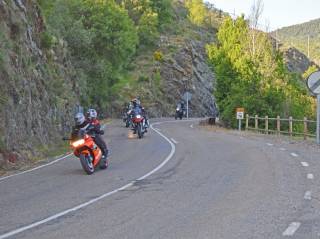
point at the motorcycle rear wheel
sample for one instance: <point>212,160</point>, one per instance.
<point>86,164</point>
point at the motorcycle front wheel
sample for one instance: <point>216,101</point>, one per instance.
<point>86,164</point>
<point>140,131</point>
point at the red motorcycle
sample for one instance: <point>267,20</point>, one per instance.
<point>138,124</point>
<point>87,151</point>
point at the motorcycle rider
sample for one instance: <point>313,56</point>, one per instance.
<point>92,119</point>
<point>137,104</point>
<point>92,126</point>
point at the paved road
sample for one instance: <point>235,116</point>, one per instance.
<point>217,184</point>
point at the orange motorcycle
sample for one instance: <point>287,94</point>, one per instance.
<point>87,151</point>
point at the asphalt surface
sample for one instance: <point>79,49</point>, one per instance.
<point>211,183</point>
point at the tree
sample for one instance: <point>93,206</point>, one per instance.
<point>197,11</point>
<point>147,28</point>
<point>260,83</point>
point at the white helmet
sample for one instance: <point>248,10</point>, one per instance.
<point>79,118</point>
<point>92,114</point>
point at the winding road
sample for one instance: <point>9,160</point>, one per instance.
<point>180,181</point>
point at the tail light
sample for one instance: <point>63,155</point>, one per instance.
<point>77,143</point>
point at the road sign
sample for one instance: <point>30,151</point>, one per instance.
<point>187,96</point>
<point>240,115</point>
<point>240,109</point>
<point>313,82</point>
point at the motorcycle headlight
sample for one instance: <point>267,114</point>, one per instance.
<point>77,143</point>
<point>178,109</point>
<point>138,116</point>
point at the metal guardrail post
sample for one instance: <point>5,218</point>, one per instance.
<point>290,126</point>
<point>305,128</point>
<point>278,125</point>
<point>256,122</point>
<point>266,125</point>
<point>247,122</point>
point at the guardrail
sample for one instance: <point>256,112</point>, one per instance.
<point>290,126</point>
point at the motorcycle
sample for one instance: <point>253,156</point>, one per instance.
<point>87,151</point>
<point>179,112</point>
<point>138,124</point>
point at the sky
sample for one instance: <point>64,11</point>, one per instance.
<point>276,13</point>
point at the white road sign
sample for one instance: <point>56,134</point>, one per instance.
<point>187,96</point>
<point>240,115</point>
<point>313,82</point>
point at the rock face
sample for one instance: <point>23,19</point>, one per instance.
<point>186,71</point>
<point>297,61</point>
<point>37,85</point>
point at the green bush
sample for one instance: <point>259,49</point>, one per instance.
<point>46,40</point>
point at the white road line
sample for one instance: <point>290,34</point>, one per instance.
<point>157,129</point>
<point>304,164</point>
<point>269,144</point>
<point>310,176</point>
<point>282,149</point>
<point>307,195</point>
<point>76,208</point>
<point>294,155</point>
<point>191,126</point>
<point>39,167</point>
<point>293,227</point>
<point>33,169</point>
<point>174,141</point>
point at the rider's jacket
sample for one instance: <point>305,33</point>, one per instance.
<point>91,127</point>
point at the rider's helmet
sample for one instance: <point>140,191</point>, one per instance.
<point>79,118</point>
<point>92,114</point>
<point>135,102</point>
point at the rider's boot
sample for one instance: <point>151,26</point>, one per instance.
<point>104,160</point>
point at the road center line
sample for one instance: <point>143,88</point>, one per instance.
<point>293,227</point>
<point>174,141</point>
<point>269,144</point>
<point>294,155</point>
<point>282,149</point>
<point>36,168</point>
<point>80,206</point>
<point>307,195</point>
<point>304,164</point>
<point>310,176</point>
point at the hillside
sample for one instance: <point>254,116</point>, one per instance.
<point>37,86</point>
<point>297,36</point>
<point>50,62</point>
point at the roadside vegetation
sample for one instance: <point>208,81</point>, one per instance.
<point>103,38</point>
<point>251,74</point>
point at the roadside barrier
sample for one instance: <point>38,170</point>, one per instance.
<point>289,126</point>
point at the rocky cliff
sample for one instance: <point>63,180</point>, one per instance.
<point>296,61</point>
<point>37,85</point>
<point>188,71</point>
